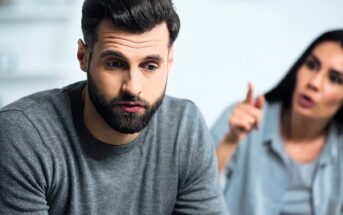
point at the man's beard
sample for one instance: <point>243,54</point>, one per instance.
<point>124,122</point>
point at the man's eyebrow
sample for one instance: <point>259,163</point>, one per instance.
<point>117,54</point>
<point>112,53</point>
<point>155,57</point>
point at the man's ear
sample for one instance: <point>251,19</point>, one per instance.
<point>171,57</point>
<point>82,55</point>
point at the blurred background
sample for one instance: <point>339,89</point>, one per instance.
<point>222,45</point>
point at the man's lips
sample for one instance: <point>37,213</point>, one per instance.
<point>306,101</point>
<point>130,103</point>
<point>130,106</point>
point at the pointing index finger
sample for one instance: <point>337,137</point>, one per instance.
<point>249,98</point>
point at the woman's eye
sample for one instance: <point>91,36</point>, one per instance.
<point>336,78</point>
<point>311,64</point>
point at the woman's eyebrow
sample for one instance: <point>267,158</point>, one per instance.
<point>337,72</point>
<point>315,58</point>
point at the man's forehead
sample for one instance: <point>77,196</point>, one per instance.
<point>158,36</point>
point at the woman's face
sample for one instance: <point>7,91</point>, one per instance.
<point>319,83</point>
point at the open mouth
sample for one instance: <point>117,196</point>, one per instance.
<point>305,101</point>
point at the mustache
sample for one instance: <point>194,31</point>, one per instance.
<point>127,97</point>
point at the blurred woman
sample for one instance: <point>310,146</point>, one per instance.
<point>282,153</point>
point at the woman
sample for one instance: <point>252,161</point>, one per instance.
<point>287,146</point>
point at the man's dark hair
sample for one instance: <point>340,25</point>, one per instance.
<point>283,91</point>
<point>133,16</point>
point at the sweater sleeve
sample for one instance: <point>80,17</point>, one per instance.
<point>199,191</point>
<point>23,166</point>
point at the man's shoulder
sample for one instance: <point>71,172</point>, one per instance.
<point>40,102</point>
<point>179,110</point>
<point>178,115</point>
<point>178,105</point>
<point>35,99</point>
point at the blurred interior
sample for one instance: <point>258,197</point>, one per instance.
<point>222,45</point>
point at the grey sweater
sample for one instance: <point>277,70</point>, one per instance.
<point>51,164</point>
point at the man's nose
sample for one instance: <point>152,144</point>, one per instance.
<point>132,83</point>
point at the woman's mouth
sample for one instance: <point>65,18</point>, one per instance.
<point>305,101</point>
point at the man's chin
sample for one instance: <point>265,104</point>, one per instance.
<point>130,131</point>
<point>128,123</point>
<point>127,130</point>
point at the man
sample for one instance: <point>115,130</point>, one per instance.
<point>114,144</point>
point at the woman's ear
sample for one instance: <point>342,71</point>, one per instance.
<point>82,55</point>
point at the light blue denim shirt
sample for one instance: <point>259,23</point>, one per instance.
<point>257,176</point>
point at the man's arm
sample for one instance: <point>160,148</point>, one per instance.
<point>23,169</point>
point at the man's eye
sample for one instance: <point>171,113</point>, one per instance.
<point>151,67</point>
<point>115,64</point>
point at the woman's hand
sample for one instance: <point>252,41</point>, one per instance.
<point>245,117</point>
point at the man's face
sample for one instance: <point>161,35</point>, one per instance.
<point>127,75</point>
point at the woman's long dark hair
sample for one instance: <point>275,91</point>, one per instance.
<point>283,91</point>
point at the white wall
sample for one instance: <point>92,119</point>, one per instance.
<point>225,43</point>
<point>38,46</point>
<point>222,45</point>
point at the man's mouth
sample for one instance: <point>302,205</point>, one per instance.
<point>130,106</point>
